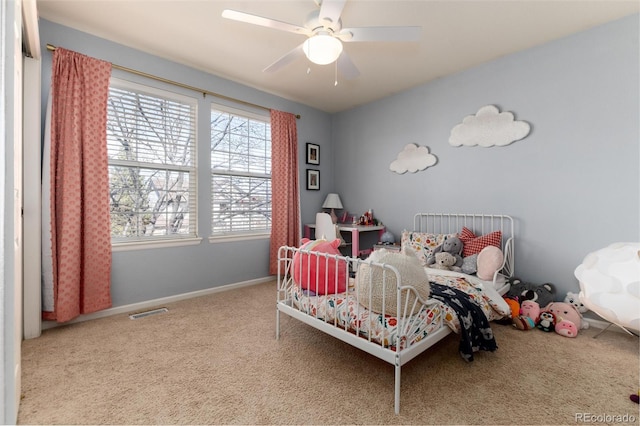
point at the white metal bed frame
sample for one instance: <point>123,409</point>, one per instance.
<point>407,312</point>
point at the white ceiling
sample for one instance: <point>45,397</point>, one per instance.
<point>456,35</point>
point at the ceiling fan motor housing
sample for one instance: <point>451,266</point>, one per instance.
<point>315,24</point>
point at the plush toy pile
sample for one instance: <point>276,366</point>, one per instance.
<point>534,306</point>
<point>470,254</point>
<point>453,246</point>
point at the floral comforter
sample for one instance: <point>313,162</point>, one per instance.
<point>344,311</point>
<point>491,302</point>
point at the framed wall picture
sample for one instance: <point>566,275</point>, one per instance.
<point>313,180</point>
<point>313,153</point>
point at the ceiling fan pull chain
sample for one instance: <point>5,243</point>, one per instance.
<point>335,83</point>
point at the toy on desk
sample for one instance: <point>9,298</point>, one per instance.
<point>367,218</point>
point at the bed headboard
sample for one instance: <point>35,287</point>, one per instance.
<point>480,224</point>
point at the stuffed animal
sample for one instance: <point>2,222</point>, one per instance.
<point>445,261</point>
<point>573,299</point>
<point>523,323</point>
<point>521,291</point>
<point>568,319</point>
<point>514,311</point>
<point>514,305</point>
<point>451,245</point>
<point>530,309</point>
<point>547,321</point>
<point>305,266</point>
<point>529,315</point>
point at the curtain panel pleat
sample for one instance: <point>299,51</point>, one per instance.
<point>79,186</point>
<point>285,198</point>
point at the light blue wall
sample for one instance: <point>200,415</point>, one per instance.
<point>573,185</point>
<point>149,274</point>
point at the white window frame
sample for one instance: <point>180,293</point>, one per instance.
<point>241,235</point>
<point>169,240</point>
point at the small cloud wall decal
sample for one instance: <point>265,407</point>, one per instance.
<point>488,127</point>
<point>412,158</point>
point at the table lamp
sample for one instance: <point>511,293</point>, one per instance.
<point>332,202</point>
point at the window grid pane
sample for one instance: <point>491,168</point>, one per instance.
<point>241,204</point>
<point>151,149</point>
<point>241,174</point>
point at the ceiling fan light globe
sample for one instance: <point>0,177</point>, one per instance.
<point>322,49</point>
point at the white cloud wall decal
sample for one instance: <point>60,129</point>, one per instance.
<point>412,158</point>
<point>488,127</point>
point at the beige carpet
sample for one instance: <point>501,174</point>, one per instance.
<point>215,360</point>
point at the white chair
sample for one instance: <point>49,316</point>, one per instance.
<point>325,228</point>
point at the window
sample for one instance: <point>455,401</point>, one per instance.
<point>240,172</point>
<point>151,143</point>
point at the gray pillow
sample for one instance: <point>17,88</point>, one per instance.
<point>470,264</point>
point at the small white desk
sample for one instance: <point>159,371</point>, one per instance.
<point>355,235</point>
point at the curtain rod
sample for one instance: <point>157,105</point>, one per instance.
<point>175,83</point>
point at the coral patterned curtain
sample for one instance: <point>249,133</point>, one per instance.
<point>79,186</point>
<point>285,198</point>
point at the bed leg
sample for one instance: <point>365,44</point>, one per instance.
<point>277,323</point>
<point>397,390</point>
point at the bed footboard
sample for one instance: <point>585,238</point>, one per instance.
<point>310,289</point>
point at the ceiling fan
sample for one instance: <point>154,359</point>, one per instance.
<point>325,36</point>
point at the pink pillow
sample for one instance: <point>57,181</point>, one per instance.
<point>473,244</point>
<point>489,261</point>
<point>304,270</point>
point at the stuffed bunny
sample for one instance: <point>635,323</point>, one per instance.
<point>452,245</point>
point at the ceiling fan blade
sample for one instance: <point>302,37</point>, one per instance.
<point>285,60</point>
<point>346,67</point>
<point>380,34</point>
<point>330,10</point>
<point>265,22</point>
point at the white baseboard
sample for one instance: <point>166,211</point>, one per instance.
<point>140,306</point>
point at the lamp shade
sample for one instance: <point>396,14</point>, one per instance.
<point>322,49</point>
<point>332,202</point>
